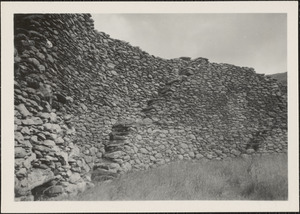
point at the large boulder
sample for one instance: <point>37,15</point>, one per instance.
<point>35,178</point>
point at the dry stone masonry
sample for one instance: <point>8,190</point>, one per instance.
<point>89,108</point>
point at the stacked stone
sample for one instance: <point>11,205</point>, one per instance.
<point>47,161</point>
<point>197,114</point>
<point>44,157</point>
<point>114,159</point>
<point>72,85</point>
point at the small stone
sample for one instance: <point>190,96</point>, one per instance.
<point>192,154</point>
<point>161,162</point>
<point>193,137</point>
<point>41,136</point>
<point>75,152</point>
<point>44,115</point>
<point>250,151</point>
<point>117,137</point>
<point>71,160</point>
<point>37,177</point>
<point>183,145</point>
<point>28,122</point>
<point>37,120</point>
<point>49,143</point>
<point>135,149</point>
<point>114,73</point>
<point>209,156</point>
<point>34,139</point>
<point>48,44</point>
<point>158,155</point>
<point>245,156</point>
<point>143,150</point>
<point>70,99</point>
<point>53,117</point>
<point>56,128</point>
<point>27,162</point>
<point>75,178</point>
<point>162,135</point>
<point>169,151</point>
<point>114,166</point>
<point>34,61</point>
<point>41,56</point>
<point>52,136</point>
<point>147,121</point>
<point>21,173</point>
<point>219,152</point>
<point>101,175</point>
<point>69,173</point>
<point>54,191</point>
<point>127,167</point>
<point>111,65</point>
<point>26,144</point>
<point>71,131</point>
<point>20,152</point>
<point>23,110</point>
<point>19,162</point>
<point>199,156</point>
<point>152,158</point>
<point>65,157</point>
<point>114,155</point>
<point>59,141</point>
<point>41,148</point>
<point>81,187</point>
<point>99,154</point>
<point>25,130</point>
<point>93,151</point>
<point>161,147</point>
<point>18,122</point>
<point>50,58</point>
<point>48,126</point>
<point>19,137</point>
<point>83,107</point>
<point>235,152</point>
<point>88,159</point>
<point>69,188</point>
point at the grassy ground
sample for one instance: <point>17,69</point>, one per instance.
<point>258,178</point>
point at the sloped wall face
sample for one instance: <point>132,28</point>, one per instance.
<point>218,111</point>
<point>85,101</point>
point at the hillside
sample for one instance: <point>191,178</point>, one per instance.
<point>87,103</point>
<point>281,77</point>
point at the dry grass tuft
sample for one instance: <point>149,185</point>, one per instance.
<point>257,178</point>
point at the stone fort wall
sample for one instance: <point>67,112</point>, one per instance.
<point>85,103</point>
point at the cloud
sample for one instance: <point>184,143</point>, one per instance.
<point>253,40</point>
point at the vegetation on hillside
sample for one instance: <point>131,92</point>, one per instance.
<point>281,77</point>
<point>254,178</point>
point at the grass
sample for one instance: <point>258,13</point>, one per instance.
<point>257,178</point>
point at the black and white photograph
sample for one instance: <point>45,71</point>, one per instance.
<point>167,105</point>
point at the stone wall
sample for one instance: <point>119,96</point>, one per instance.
<point>90,107</point>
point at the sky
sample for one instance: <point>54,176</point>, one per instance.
<point>257,40</point>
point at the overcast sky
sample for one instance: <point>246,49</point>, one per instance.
<point>251,40</point>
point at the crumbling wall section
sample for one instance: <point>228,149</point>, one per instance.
<point>85,102</point>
